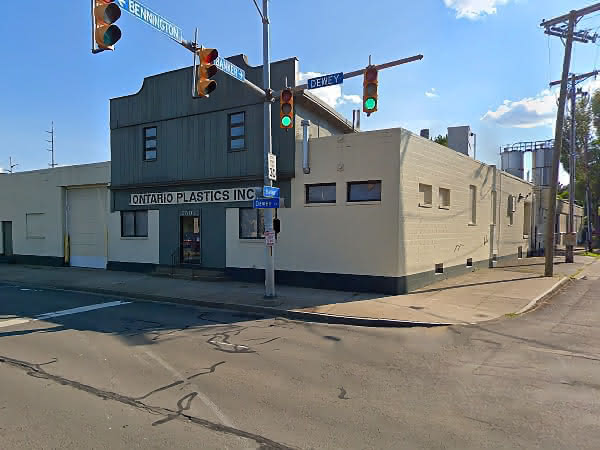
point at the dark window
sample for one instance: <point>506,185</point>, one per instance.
<point>150,144</point>
<point>237,131</point>
<point>252,223</point>
<point>364,191</point>
<point>134,223</point>
<point>320,193</point>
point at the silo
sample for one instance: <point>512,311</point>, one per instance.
<point>542,164</point>
<point>513,162</point>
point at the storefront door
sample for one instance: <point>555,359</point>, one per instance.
<point>191,240</point>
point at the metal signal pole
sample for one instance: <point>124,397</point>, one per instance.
<point>269,250</point>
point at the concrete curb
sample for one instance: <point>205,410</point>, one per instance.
<point>252,309</point>
<point>549,293</point>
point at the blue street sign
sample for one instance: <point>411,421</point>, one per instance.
<point>153,19</point>
<point>271,192</point>
<point>230,69</point>
<point>326,80</point>
<point>270,203</point>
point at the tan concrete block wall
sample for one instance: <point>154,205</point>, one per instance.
<point>134,249</point>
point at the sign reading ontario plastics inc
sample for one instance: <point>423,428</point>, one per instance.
<point>175,198</point>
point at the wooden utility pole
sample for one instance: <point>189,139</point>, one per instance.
<point>556,27</point>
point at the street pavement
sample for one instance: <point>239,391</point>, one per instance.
<point>90,371</point>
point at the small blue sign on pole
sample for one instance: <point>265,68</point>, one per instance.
<point>326,80</point>
<point>266,203</point>
<point>230,69</point>
<point>271,192</point>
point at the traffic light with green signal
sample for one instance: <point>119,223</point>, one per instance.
<point>370,85</point>
<point>205,70</point>
<point>286,109</point>
<point>106,33</point>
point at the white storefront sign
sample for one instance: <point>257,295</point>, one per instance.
<point>212,196</point>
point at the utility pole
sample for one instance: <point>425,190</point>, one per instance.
<point>11,166</point>
<point>556,27</point>
<point>269,250</point>
<point>51,142</point>
<point>572,164</point>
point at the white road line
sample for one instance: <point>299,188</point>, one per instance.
<point>207,401</point>
<point>66,312</point>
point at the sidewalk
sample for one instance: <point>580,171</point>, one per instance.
<point>474,297</point>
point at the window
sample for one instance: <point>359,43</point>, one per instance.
<point>364,191</point>
<point>150,144</point>
<point>252,223</point>
<point>237,131</point>
<point>473,203</point>
<point>320,193</point>
<point>134,223</point>
<point>512,207</point>
<point>34,226</point>
<point>469,262</point>
<point>425,195</point>
<point>444,198</point>
<point>527,219</point>
<point>439,269</point>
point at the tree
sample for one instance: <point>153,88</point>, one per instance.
<point>442,140</point>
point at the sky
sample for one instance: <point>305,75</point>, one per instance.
<point>487,64</point>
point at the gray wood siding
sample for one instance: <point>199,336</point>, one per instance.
<point>192,134</point>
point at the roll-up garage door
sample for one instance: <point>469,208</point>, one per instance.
<point>87,211</point>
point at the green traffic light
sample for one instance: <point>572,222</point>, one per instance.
<point>370,103</point>
<point>286,121</point>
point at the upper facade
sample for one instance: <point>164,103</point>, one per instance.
<point>162,136</point>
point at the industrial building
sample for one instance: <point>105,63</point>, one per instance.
<point>385,211</point>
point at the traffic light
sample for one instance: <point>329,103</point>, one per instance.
<point>286,109</point>
<point>205,70</point>
<point>276,225</point>
<point>106,33</point>
<point>370,84</point>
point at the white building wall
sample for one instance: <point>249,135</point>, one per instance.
<point>133,249</point>
<point>42,193</point>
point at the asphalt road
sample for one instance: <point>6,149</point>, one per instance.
<point>143,375</point>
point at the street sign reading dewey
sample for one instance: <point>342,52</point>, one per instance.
<point>271,192</point>
<point>153,19</point>
<point>266,203</point>
<point>230,69</point>
<point>326,80</point>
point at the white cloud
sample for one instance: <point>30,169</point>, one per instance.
<point>331,95</point>
<point>431,93</point>
<point>529,112</point>
<point>474,9</point>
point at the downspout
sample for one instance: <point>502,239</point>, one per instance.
<point>305,164</point>
<point>494,218</point>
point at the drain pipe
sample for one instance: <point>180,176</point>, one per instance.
<point>305,166</point>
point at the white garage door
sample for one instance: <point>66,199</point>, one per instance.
<point>87,226</point>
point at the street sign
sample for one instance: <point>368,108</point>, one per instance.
<point>153,19</point>
<point>270,238</point>
<point>326,80</point>
<point>271,192</point>
<point>267,203</point>
<point>230,69</point>
<point>272,167</point>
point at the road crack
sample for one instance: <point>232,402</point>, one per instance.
<point>36,371</point>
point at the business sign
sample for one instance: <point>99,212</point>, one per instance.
<point>270,192</point>
<point>325,80</point>
<point>176,198</point>
<point>267,203</point>
<point>230,69</point>
<point>272,167</point>
<point>153,19</point>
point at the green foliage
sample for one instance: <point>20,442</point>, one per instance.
<point>442,140</point>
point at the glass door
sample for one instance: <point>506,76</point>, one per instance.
<point>191,240</point>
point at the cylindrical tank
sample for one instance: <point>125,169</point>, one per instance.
<point>542,165</point>
<point>513,162</point>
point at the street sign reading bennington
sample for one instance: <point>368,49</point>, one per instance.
<point>175,198</point>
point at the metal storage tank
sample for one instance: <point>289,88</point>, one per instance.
<point>513,162</point>
<point>542,164</point>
